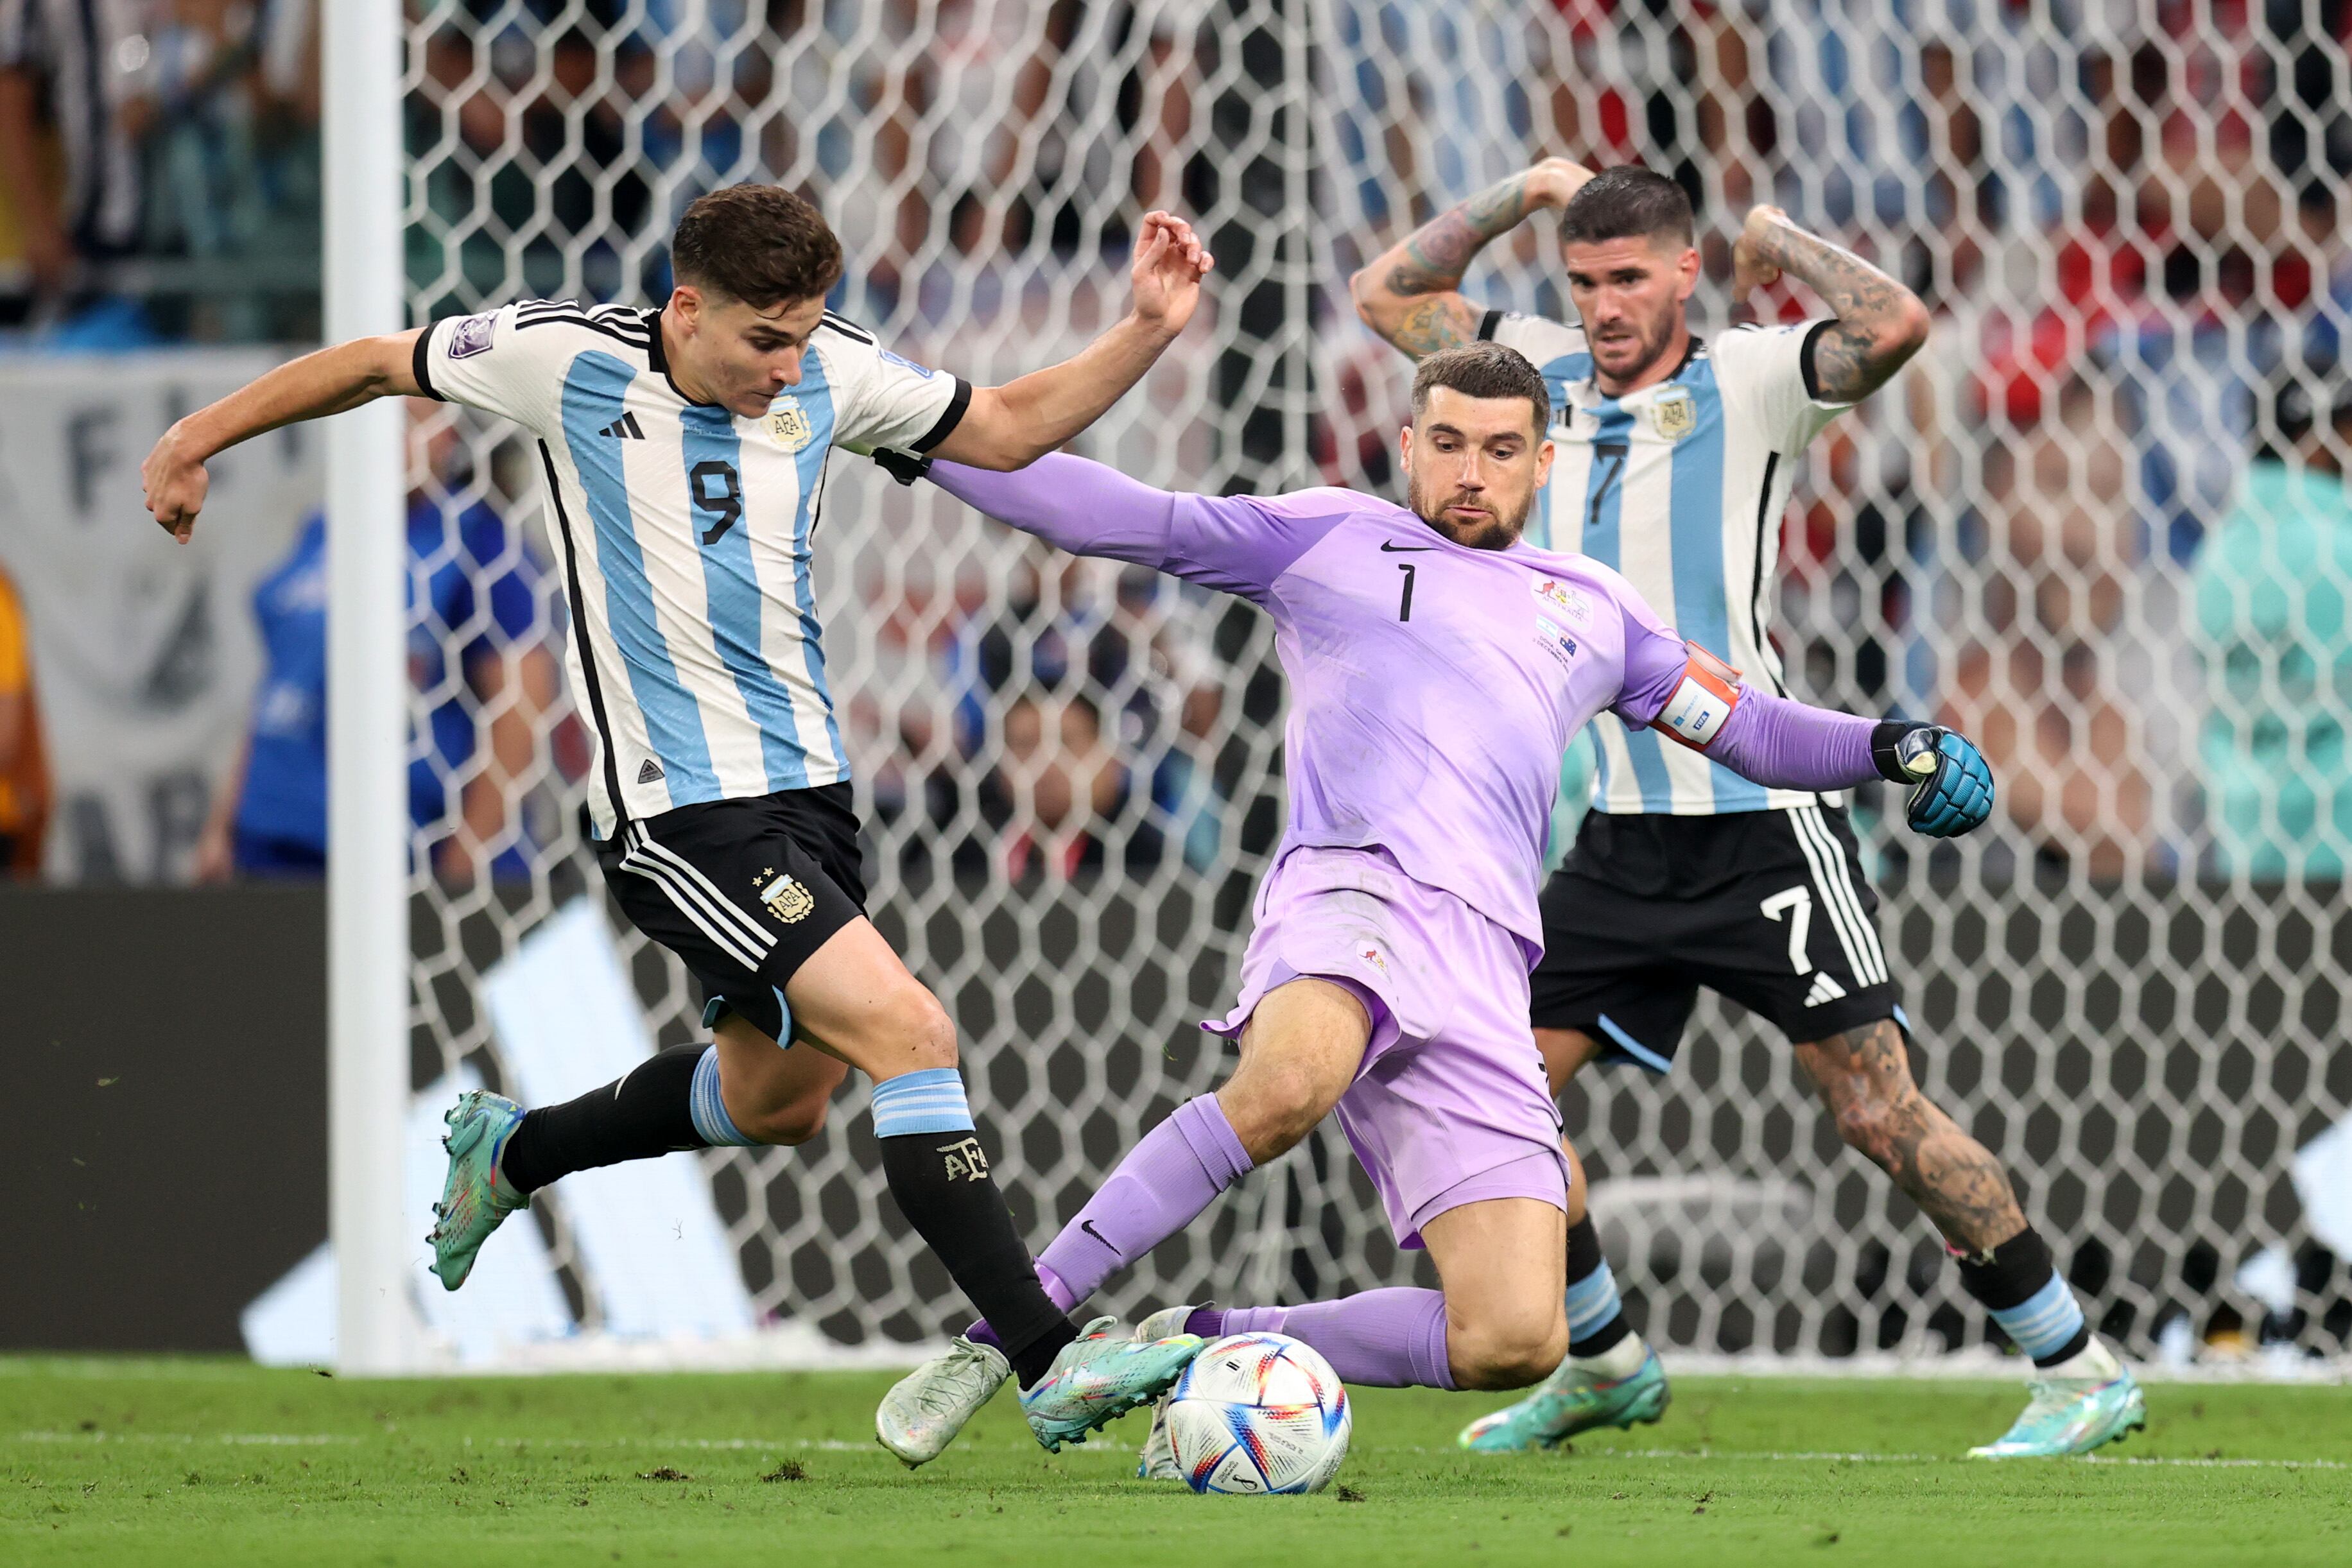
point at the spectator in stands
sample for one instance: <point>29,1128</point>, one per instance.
<point>478,657</point>
<point>1056,791</point>
<point>2274,596</point>
<point>24,765</point>
<point>89,63</point>
<point>1136,663</point>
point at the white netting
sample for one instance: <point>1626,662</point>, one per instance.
<point>2125,217</point>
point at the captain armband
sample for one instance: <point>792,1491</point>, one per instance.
<point>1702,701</point>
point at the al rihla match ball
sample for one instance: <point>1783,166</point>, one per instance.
<point>1258,1414</point>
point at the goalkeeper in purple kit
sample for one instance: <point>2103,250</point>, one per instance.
<point>1439,667</point>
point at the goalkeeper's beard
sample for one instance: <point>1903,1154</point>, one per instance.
<point>1501,529</point>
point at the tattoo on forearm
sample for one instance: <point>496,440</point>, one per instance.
<point>1438,253</point>
<point>1865,1079</point>
<point>1863,348</point>
<point>1443,322</point>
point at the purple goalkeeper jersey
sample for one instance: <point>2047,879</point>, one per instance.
<point>1434,687</point>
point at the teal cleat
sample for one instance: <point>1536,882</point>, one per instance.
<point>2072,1416</point>
<point>476,1199</point>
<point>1098,1376</point>
<point>1570,1401</point>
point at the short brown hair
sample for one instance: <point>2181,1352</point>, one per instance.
<point>1627,202</point>
<point>760,244</point>
<point>1483,370</point>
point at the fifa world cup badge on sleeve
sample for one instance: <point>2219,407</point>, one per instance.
<point>1694,715</point>
<point>472,335</point>
<point>789,424</point>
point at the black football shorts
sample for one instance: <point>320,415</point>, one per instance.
<point>744,891</point>
<point>1767,908</point>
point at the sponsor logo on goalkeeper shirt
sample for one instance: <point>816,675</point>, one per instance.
<point>1568,599</point>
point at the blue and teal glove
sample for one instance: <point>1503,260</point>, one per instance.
<point>1951,788</point>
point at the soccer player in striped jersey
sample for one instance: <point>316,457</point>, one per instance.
<point>684,450</point>
<point>1675,460</point>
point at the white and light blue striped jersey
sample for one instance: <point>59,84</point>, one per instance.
<point>684,535</point>
<point>1681,486</point>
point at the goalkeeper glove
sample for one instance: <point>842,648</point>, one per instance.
<point>1951,788</point>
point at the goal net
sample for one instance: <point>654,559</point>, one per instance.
<point>2048,532</point>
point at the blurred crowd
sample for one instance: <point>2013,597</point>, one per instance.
<point>2101,525</point>
<point>159,170</point>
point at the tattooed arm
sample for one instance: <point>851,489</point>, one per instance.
<point>1410,294</point>
<point>1880,324</point>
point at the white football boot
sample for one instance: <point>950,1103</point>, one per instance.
<point>1159,1461</point>
<point>925,1409</point>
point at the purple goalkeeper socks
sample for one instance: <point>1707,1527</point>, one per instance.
<point>1174,1172</point>
<point>1383,1339</point>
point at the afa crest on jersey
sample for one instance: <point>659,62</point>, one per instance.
<point>1675,411</point>
<point>788,422</point>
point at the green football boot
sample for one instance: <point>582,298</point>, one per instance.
<point>475,1200</point>
<point>1572,1400</point>
<point>2072,1416</point>
<point>1098,1376</point>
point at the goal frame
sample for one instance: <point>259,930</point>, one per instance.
<point>367,742</point>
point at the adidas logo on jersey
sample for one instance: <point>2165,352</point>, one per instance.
<point>651,773</point>
<point>625,428</point>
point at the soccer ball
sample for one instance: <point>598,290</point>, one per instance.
<point>1255,1414</point>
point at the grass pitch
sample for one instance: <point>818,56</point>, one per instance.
<point>192,1463</point>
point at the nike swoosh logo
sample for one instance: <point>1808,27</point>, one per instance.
<point>1389,547</point>
<point>1089,1227</point>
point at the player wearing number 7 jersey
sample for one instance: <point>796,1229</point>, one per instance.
<point>684,451</point>
<point>1675,463</point>
<point>1438,668</point>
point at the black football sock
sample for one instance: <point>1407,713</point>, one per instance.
<point>650,1112</point>
<point>2018,1283</point>
<point>1596,1318</point>
<point>938,1175</point>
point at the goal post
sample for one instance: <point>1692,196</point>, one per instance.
<point>367,705</point>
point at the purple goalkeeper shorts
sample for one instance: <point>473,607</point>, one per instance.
<point>1451,1105</point>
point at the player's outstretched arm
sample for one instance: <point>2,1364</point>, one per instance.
<point>1880,324</point>
<point>1235,544</point>
<point>1010,426</point>
<point>1410,293</point>
<point>328,381</point>
<point>1692,698</point>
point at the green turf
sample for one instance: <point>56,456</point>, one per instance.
<point>193,1463</point>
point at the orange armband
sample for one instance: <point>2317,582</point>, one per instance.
<point>1709,690</point>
